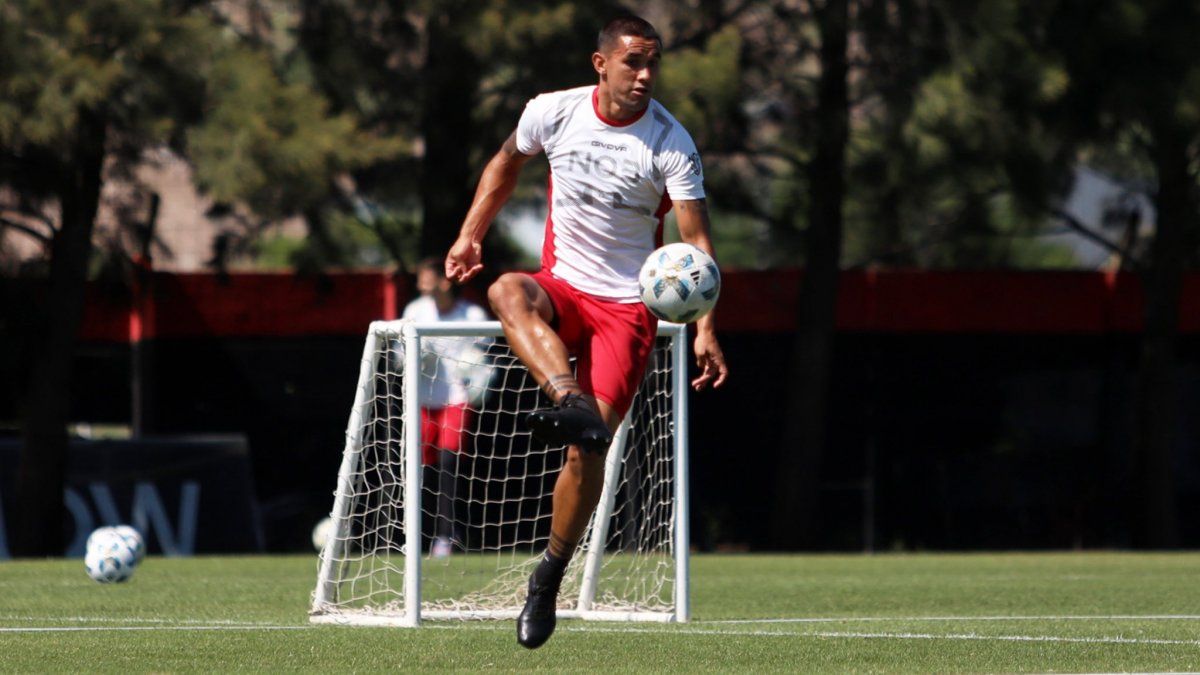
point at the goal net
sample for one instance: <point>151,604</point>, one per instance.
<point>422,532</point>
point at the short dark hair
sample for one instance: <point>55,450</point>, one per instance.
<point>625,25</point>
<point>432,263</point>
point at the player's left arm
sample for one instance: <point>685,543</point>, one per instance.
<point>692,217</point>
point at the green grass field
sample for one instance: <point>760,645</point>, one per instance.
<point>887,613</point>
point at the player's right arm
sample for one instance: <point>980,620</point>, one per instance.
<point>496,185</point>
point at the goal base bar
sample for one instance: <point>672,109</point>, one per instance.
<point>397,620</point>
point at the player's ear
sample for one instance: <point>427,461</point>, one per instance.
<point>599,63</point>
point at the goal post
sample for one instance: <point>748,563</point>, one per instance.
<point>421,532</point>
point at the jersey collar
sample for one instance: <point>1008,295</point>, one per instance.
<point>611,122</point>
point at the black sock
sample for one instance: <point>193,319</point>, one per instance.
<point>550,570</point>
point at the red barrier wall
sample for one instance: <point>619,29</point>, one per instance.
<point>247,305</point>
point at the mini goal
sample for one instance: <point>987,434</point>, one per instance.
<point>492,500</point>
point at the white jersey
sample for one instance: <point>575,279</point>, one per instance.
<point>611,183</point>
<point>445,361</point>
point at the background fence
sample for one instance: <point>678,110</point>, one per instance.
<point>969,410</point>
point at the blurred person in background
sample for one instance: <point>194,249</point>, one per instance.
<point>446,415</point>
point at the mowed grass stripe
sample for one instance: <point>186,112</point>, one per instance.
<point>715,622</point>
<point>648,630</point>
<point>679,629</point>
<point>98,629</point>
<point>1041,617</point>
<point>753,613</point>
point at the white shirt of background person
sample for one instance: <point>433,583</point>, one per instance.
<point>443,359</point>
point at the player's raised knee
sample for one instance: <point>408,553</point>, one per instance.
<point>507,296</point>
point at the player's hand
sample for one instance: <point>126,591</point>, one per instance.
<point>464,260</point>
<point>711,361</point>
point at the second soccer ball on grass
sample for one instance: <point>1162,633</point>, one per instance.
<point>321,532</point>
<point>679,283</point>
<point>113,553</point>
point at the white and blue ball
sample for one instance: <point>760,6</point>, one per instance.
<point>99,537</point>
<point>679,283</point>
<point>133,539</point>
<point>112,566</point>
<point>113,553</point>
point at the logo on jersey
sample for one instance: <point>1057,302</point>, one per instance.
<point>610,146</point>
<point>694,160</point>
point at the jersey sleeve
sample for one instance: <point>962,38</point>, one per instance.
<point>532,129</point>
<point>680,163</point>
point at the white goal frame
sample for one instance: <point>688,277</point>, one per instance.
<point>323,609</point>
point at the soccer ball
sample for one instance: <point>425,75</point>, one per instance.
<point>97,536</point>
<point>109,568</point>
<point>679,283</point>
<point>134,540</point>
<point>105,540</point>
<point>113,553</point>
<point>321,533</point>
<point>110,539</point>
<point>109,557</point>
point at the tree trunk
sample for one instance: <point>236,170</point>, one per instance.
<point>42,469</point>
<point>450,78</point>
<point>891,37</point>
<point>804,426</point>
<point>1154,518</point>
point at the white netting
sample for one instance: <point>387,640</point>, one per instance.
<point>490,503</point>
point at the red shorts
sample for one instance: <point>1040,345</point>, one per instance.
<point>611,341</point>
<point>442,429</point>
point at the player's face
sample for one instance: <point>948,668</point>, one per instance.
<point>631,69</point>
<point>427,281</point>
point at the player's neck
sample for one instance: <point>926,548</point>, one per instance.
<point>443,301</point>
<point>609,112</point>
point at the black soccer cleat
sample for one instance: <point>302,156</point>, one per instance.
<point>536,622</point>
<point>571,422</point>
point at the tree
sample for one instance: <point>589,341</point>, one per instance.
<point>449,98</point>
<point>952,162</point>
<point>451,76</point>
<point>1133,72</point>
<point>804,430</point>
<point>906,134</point>
<point>88,88</point>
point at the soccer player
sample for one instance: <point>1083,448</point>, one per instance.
<point>445,415</point>
<point>618,161</point>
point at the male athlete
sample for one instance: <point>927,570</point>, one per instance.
<point>618,161</point>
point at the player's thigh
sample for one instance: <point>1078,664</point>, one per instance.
<point>612,417</point>
<point>515,294</point>
<point>614,362</point>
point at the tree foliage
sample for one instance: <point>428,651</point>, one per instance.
<point>273,145</point>
<point>1134,75</point>
<point>86,89</point>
